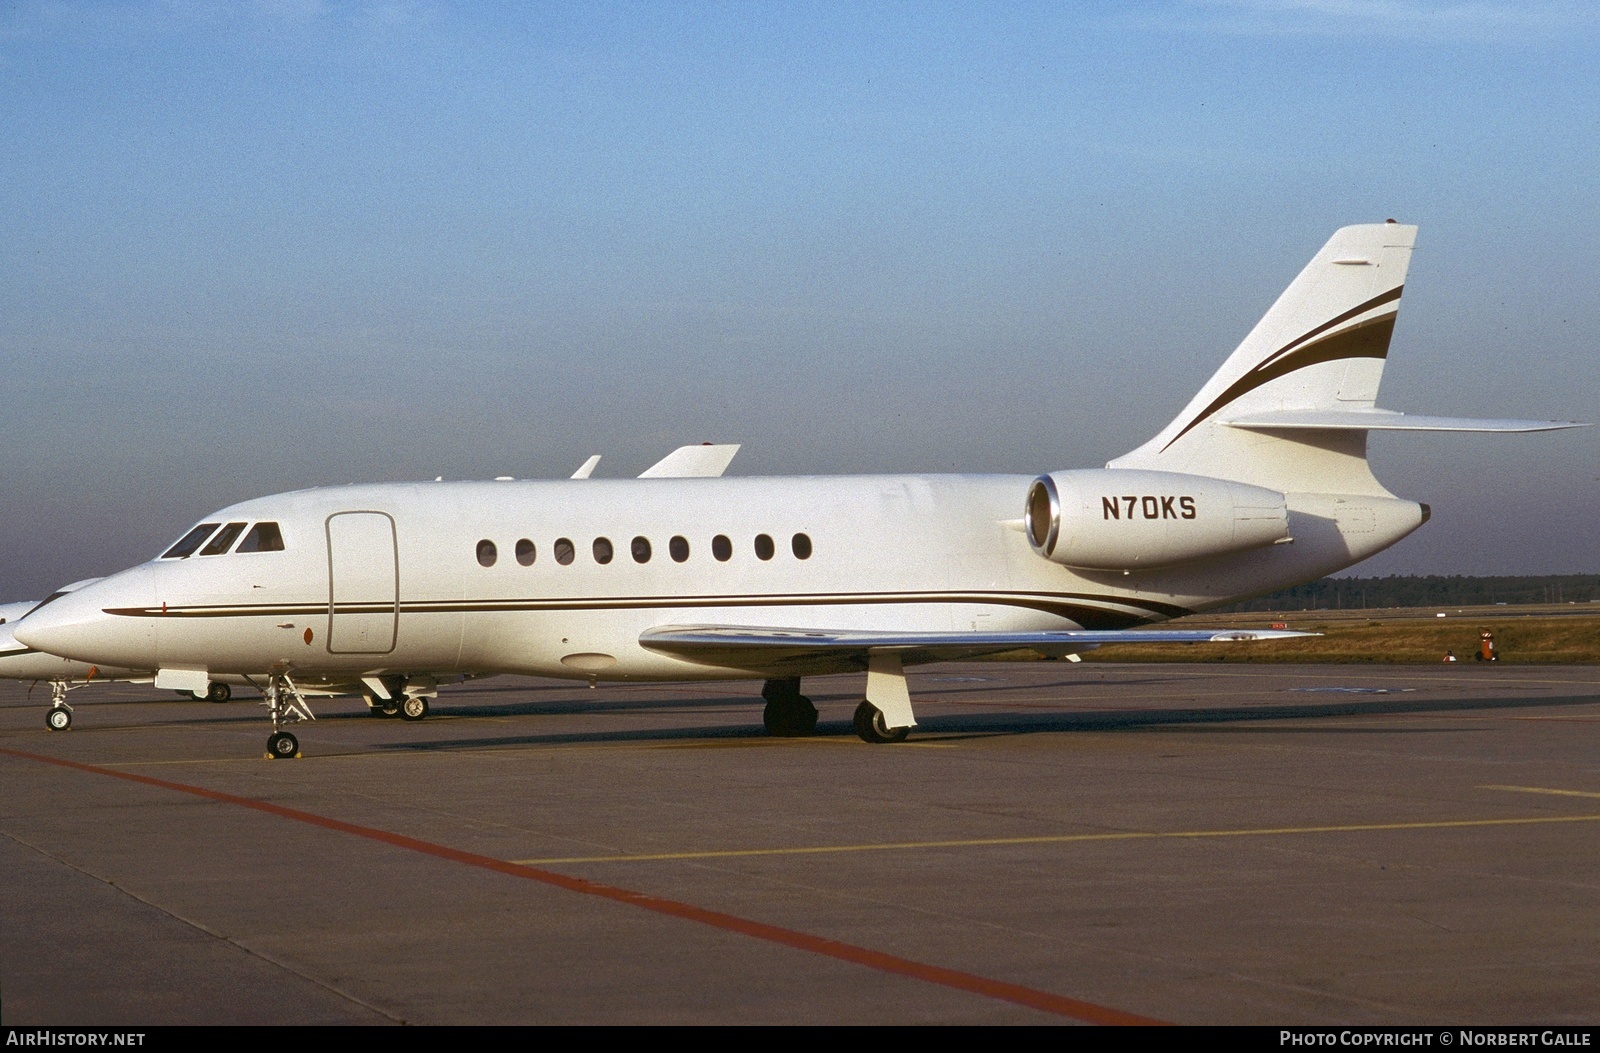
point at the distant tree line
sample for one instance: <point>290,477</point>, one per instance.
<point>1431,590</point>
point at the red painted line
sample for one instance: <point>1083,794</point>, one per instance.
<point>1043,1001</point>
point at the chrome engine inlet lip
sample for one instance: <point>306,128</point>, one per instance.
<point>1051,501</point>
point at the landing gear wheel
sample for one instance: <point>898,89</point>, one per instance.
<point>216,692</point>
<point>788,714</point>
<point>870,726</point>
<point>414,707</point>
<point>386,708</point>
<point>281,744</point>
<point>790,718</point>
<point>58,719</point>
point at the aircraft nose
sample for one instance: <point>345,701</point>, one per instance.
<point>100,623</point>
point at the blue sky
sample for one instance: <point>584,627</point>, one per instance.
<point>246,248</point>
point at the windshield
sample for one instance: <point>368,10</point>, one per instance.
<point>224,540</point>
<point>190,541</point>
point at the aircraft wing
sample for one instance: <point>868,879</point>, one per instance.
<point>758,646</point>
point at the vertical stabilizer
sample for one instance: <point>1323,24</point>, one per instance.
<point>1322,346</point>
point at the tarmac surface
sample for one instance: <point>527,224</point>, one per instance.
<point>1064,843</point>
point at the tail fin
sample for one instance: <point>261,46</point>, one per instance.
<point>1321,347</point>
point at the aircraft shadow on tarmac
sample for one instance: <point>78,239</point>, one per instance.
<point>986,725</point>
<point>739,717</point>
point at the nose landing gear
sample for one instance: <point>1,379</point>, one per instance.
<point>59,715</point>
<point>285,703</point>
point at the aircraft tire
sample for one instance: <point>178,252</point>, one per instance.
<point>58,719</point>
<point>790,719</point>
<point>775,718</point>
<point>387,707</point>
<point>281,744</point>
<point>870,726</point>
<point>216,692</point>
<point>414,707</point>
<point>806,716</point>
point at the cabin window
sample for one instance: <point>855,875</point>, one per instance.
<point>764,547</point>
<point>224,540</point>
<point>602,550</point>
<point>722,548</point>
<point>564,551</point>
<point>487,553</point>
<point>802,546</point>
<point>263,537</point>
<point>189,542</point>
<point>679,548</point>
<point>640,549</point>
<point>526,553</point>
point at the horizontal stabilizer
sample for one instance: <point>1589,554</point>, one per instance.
<point>758,646</point>
<point>705,461</point>
<point>1386,420</point>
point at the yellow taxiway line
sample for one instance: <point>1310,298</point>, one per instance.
<point>1060,839</point>
<point>1543,789</point>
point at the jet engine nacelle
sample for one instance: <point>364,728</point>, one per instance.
<point>1124,519</point>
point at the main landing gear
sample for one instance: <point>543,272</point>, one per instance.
<point>873,727</point>
<point>285,703</point>
<point>885,715</point>
<point>396,696</point>
<point>789,714</point>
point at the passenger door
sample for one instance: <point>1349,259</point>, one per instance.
<point>363,583</point>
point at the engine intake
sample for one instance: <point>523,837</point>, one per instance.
<point>1116,519</point>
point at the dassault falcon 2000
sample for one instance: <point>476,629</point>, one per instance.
<point>1261,482</point>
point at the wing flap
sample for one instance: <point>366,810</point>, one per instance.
<point>764,647</point>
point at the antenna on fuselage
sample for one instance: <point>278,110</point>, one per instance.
<point>587,468</point>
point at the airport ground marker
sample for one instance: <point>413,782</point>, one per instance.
<point>1043,1001</point>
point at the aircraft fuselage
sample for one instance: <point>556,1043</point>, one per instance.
<point>561,578</point>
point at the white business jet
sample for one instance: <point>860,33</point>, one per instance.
<point>1260,483</point>
<point>20,662</point>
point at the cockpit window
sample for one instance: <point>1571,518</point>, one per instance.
<point>191,541</point>
<point>263,537</point>
<point>224,540</point>
<point>41,603</point>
